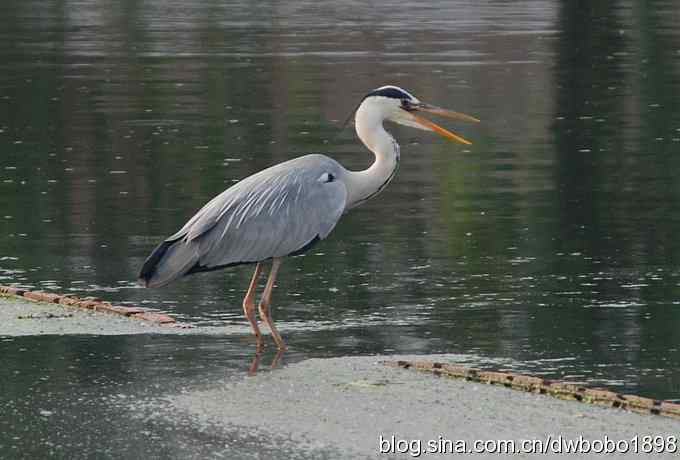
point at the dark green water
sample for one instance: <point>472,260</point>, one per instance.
<point>549,245</point>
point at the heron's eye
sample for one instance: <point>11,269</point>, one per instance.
<point>406,105</point>
<point>326,177</point>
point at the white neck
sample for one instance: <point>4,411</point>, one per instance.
<point>363,185</point>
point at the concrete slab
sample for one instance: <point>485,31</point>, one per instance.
<point>348,405</point>
<point>20,316</point>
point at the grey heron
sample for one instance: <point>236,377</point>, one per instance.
<point>285,209</point>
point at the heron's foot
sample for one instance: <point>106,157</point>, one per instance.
<point>261,344</point>
<point>265,315</point>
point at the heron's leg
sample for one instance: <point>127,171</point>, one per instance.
<point>249,306</point>
<point>266,300</point>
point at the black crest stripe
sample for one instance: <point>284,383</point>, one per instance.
<point>391,92</point>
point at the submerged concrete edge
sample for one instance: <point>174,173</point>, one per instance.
<point>554,388</point>
<point>94,304</point>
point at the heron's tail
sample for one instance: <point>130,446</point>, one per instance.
<point>172,259</point>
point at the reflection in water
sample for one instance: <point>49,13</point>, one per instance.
<point>255,364</point>
<point>548,245</point>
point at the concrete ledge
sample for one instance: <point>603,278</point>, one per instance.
<point>92,303</point>
<point>557,389</point>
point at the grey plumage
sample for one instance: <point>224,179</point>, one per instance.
<point>273,213</point>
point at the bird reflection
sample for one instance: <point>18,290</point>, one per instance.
<point>256,361</point>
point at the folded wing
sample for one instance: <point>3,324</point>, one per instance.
<point>277,212</point>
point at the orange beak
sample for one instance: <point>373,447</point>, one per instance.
<point>429,125</point>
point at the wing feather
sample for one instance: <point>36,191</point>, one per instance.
<point>273,213</point>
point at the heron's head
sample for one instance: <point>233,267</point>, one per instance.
<point>398,105</point>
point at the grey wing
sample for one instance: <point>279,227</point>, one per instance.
<point>273,213</point>
<point>274,217</point>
